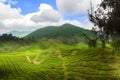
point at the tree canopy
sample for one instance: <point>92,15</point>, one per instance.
<point>9,37</point>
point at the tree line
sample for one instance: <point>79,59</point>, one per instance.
<point>9,37</point>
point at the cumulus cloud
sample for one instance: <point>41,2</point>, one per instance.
<point>11,18</point>
<point>6,12</point>
<point>45,7</point>
<point>75,6</point>
<point>46,14</point>
<point>8,15</point>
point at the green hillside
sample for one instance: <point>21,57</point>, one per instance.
<point>51,60</point>
<point>66,33</point>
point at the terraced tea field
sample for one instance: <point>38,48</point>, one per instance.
<point>60,63</point>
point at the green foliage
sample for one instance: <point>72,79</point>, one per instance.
<point>9,37</point>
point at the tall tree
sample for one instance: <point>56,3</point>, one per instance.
<point>107,18</point>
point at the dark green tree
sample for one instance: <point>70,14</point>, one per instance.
<point>91,42</point>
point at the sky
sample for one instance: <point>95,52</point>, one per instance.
<point>25,15</point>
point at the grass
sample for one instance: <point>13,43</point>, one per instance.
<point>59,62</point>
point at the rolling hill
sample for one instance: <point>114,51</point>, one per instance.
<point>67,33</point>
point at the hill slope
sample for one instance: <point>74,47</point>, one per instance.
<point>67,33</point>
<point>63,62</point>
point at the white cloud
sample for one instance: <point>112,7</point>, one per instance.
<point>44,7</point>
<point>46,14</point>
<point>2,0</point>
<point>6,12</point>
<point>12,19</point>
<point>75,6</point>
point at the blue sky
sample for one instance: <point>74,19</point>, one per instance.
<point>29,6</point>
<point>34,14</point>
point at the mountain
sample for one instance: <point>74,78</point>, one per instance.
<point>67,33</point>
<point>19,33</point>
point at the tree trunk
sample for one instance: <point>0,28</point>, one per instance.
<point>103,44</point>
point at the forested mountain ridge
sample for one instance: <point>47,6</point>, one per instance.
<point>67,33</point>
